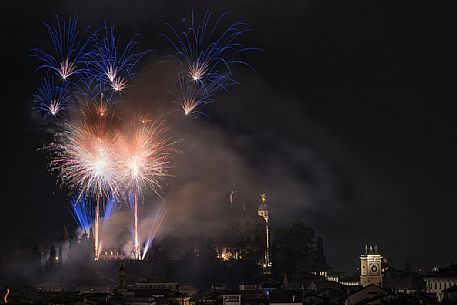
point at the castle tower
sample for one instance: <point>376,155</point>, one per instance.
<point>370,267</point>
<point>263,212</point>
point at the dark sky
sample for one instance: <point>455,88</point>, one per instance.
<point>350,111</point>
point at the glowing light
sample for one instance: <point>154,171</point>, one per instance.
<point>110,63</point>
<point>198,69</point>
<point>118,84</point>
<point>205,53</point>
<point>83,212</point>
<point>143,160</point>
<point>54,107</point>
<point>189,105</point>
<point>143,156</point>
<point>51,97</point>
<point>83,156</point>
<point>66,69</point>
<point>111,73</point>
<point>145,119</point>
<point>94,156</point>
<point>111,207</point>
<point>7,293</point>
<point>101,108</point>
<point>70,49</point>
<point>157,218</point>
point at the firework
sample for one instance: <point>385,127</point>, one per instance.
<point>84,160</point>
<point>143,155</point>
<point>111,207</point>
<point>154,225</point>
<point>205,54</point>
<point>90,90</point>
<point>205,58</point>
<point>70,49</point>
<point>110,64</point>
<point>191,95</point>
<point>95,157</point>
<point>83,156</point>
<point>144,149</point>
<point>83,212</point>
<point>51,97</point>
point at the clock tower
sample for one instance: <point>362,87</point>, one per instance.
<point>370,267</point>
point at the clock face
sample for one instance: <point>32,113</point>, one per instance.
<point>374,268</point>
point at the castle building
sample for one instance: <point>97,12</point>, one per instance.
<point>370,267</point>
<point>243,232</point>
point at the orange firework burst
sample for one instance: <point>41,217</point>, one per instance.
<point>83,154</point>
<point>143,148</point>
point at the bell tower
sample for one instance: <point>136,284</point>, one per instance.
<point>370,267</point>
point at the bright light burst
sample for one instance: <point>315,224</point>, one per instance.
<point>206,53</point>
<point>51,97</point>
<point>70,49</point>
<point>205,57</point>
<point>191,95</point>
<point>110,63</point>
<point>83,156</point>
<point>98,158</point>
<point>144,150</point>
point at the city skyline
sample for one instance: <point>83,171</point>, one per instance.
<point>346,121</point>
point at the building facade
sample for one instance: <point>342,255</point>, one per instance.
<point>437,285</point>
<point>370,267</point>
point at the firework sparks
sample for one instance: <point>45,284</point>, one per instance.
<point>111,207</point>
<point>83,212</point>
<point>205,58</point>
<point>205,54</point>
<point>111,64</point>
<point>84,160</point>
<point>83,156</point>
<point>188,105</point>
<point>192,95</point>
<point>198,70</point>
<point>100,160</point>
<point>143,156</point>
<point>51,97</point>
<point>158,216</point>
<point>70,49</point>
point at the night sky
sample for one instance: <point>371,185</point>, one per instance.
<point>349,114</point>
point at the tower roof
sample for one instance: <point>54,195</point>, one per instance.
<point>371,250</point>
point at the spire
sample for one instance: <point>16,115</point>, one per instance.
<point>263,196</point>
